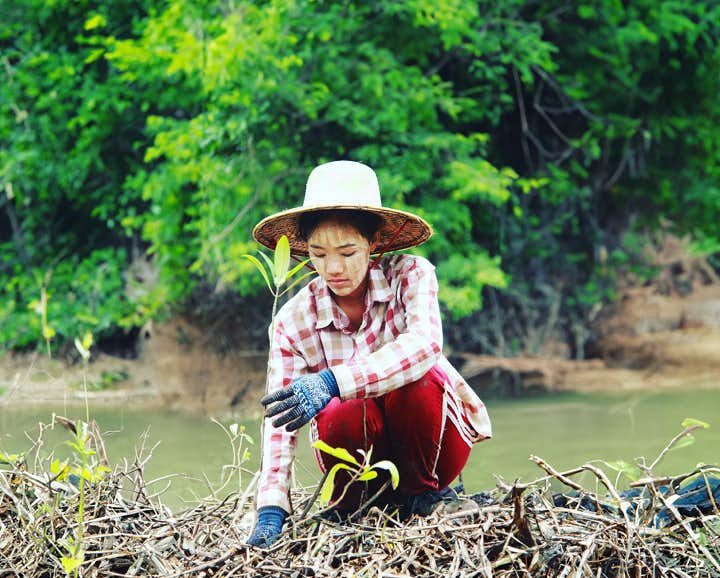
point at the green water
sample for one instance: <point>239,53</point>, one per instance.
<point>564,430</point>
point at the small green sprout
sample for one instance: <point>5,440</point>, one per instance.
<point>9,459</point>
<point>362,472</point>
<point>83,346</point>
<point>278,269</point>
<point>85,468</point>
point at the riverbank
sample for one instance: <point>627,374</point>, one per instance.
<point>653,337</point>
<point>198,381</point>
<point>171,376</point>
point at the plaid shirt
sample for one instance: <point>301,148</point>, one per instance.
<point>399,340</point>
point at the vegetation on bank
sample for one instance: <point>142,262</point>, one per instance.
<point>141,140</point>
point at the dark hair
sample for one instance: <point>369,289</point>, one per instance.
<point>365,222</point>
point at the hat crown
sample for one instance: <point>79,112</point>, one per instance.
<point>347,183</point>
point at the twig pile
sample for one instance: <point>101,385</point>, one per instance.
<point>513,531</point>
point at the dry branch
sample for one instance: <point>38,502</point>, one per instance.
<point>526,531</point>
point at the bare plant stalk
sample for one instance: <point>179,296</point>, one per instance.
<point>687,431</point>
<point>366,505</point>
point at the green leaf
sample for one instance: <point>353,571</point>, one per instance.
<point>258,265</point>
<point>87,340</point>
<point>692,422</point>
<point>298,280</point>
<point>71,563</point>
<point>367,475</point>
<point>74,446</point>
<point>329,483</point>
<point>282,261</point>
<point>392,468</point>
<point>95,21</point>
<point>631,471</point>
<point>59,469</point>
<point>8,458</point>
<point>684,442</point>
<point>297,268</point>
<point>268,261</point>
<point>84,353</point>
<point>339,453</point>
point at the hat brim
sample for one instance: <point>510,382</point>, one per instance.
<point>398,230</point>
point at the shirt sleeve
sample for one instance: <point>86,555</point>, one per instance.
<point>412,353</point>
<point>278,444</point>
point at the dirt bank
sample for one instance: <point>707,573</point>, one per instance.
<point>656,335</point>
<point>180,376</point>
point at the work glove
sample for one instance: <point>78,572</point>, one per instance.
<point>302,400</point>
<point>268,526</point>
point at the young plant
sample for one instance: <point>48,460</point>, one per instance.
<point>86,468</point>
<point>239,440</point>
<point>41,308</point>
<point>361,471</point>
<point>83,347</point>
<point>641,469</point>
<point>276,273</point>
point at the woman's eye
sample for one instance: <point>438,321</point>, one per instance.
<point>348,254</point>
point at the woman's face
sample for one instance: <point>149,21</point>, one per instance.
<point>341,256</point>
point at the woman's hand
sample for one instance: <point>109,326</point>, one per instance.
<point>302,400</point>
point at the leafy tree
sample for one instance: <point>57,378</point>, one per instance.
<point>68,128</point>
<point>531,135</point>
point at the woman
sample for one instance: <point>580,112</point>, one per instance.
<point>358,351</point>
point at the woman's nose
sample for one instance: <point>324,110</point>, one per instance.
<point>334,265</point>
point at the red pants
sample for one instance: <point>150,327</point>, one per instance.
<point>408,426</point>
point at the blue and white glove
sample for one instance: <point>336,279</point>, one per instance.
<point>268,526</point>
<point>302,400</point>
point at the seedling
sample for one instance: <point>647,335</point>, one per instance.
<point>361,472</point>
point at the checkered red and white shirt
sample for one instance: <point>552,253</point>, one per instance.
<point>399,340</point>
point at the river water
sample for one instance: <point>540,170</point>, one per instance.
<point>566,430</point>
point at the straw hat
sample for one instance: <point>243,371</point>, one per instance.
<point>344,185</point>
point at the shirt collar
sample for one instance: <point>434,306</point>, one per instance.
<point>325,305</point>
<point>378,287</point>
<point>328,311</point>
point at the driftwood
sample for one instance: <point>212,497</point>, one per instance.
<point>551,527</point>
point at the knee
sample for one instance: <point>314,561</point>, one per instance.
<point>419,398</point>
<point>347,423</point>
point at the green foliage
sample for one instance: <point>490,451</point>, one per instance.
<point>360,471</point>
<point>278,270</point>
<point>108,380</point>
<point>464,277</point>
<point>531,137</point>
<point>239,441</point>
<point>69,298</point>
<point>84,468</point>
<point>69,126</point>
<point>9,459</point>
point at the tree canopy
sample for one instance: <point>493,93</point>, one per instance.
<point>141,141</point>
